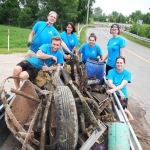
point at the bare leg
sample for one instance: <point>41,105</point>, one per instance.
<point>16,72</point>
<point>128,113</point>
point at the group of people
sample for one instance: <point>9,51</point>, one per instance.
<point>48,47</point>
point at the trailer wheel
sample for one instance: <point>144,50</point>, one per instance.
<point>66,119</point>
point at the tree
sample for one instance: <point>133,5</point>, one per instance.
<point>97,13</point>
<point>146,18</point>
<point>121,18</point>
<point>25,18</point>
<point>11,11</point>
<point>82,10</point>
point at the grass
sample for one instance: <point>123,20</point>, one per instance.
<point>83,38</point>
<point>17,39</point>
<point>146,44</point>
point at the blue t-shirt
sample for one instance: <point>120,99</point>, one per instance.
<point>114,45</point>
<point>117,79</point>
<point>43,35</point>
<point>88,52</point>
<point>70,40</point>
<point>46,48</point>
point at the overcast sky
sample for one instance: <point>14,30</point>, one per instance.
<point>126,7</point>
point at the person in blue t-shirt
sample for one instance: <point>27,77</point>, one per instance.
<point>117,81</point>
<point>46,57</point>
<point>70,38</point>
<point>90,50</point>
<point>116,47</point>
<point>42,32</point>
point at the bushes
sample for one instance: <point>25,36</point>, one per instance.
<point>142,30</point>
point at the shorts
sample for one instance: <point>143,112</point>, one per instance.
<point>124,102</point>
<point>108,68</point>
<point>29,54</point>
<point>31,70</point>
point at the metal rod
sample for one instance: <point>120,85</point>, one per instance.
<point>137,144</point>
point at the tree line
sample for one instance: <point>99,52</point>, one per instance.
<point>24,13</point>
<point>98,15</point>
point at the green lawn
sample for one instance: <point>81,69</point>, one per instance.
<point>17,39</point>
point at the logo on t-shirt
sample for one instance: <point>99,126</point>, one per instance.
<point>50,32</point>
<point>114,43</point>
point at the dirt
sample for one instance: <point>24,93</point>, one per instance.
<point>139,124</point>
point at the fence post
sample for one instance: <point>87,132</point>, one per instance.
<point>8,38</point>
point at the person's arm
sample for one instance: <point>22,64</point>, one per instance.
<point>101,58</point>
<point>42,55</point>
<point>122,50</point>
<point>105,57</point>
<point>79,56</point>
<point>63,44</point>
<point>51,68</point>
<point>31,36</point>
<point>74,49</point>
<point>116,88</point>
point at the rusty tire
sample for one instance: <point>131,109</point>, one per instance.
<point>66,119</point>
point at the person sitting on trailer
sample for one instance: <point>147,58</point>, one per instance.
<point>49,53</point>
<point>117,80</point>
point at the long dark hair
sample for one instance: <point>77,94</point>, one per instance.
<point>72,25</point>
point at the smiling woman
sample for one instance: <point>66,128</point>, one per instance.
<point>117,81</point>
<point>116,47</point>
<point>90,50</point>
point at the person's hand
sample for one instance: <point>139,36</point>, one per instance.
<point>54,58</point>
<point>110,91</point>
<point>71,54</point>
<point>122,96</point>
<point>45,68</point>
<point>29,44</point>
<point>67,57</point>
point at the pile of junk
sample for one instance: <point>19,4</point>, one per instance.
<point>67,109</point>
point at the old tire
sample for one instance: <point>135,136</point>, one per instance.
<point>66,119</point>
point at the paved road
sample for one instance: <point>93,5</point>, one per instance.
<point>138,62</point>
<point>7,63</point>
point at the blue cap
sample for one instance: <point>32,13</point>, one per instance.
<point>115,26</point>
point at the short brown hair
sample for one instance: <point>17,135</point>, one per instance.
<point>121,57</point>
<point>56,38</point>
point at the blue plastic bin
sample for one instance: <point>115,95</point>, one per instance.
<point>95,68</point>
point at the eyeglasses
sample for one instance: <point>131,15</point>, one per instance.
<point>114,29</point>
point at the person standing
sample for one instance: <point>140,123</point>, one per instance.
<point>90,50</point>
<point>70,38</point>
<point>42,33</point>
<point>116,47</point>
<point>117,80</point>
<point>45,58</point>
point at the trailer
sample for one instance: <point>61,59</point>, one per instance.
<point>70,112</point>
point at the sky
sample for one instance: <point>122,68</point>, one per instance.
<point>126,7</point>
